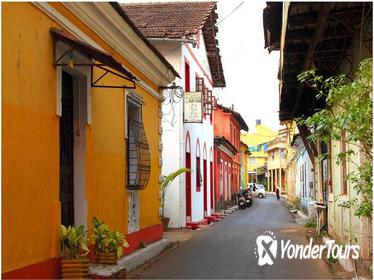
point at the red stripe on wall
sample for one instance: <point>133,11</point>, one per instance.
<point>147,235</point>
<point>51,269</point>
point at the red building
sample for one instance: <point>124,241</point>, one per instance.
<point>227,127</point>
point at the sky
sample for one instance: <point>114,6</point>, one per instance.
<point>250,71</point>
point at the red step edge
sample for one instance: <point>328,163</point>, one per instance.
<point>212,219</point>
<point>196,225</point>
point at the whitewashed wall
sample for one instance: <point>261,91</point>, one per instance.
<point>303,159</point>
<point>203,132</point>
<point>174,135</point>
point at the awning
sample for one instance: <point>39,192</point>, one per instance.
<point>100,59</point>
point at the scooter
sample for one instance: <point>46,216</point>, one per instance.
<point>242,203</point>
<point>248,198</point>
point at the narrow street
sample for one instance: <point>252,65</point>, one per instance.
<point>226,249</point>
<point>133,130</point>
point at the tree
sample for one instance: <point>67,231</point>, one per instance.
<point>348,113</point>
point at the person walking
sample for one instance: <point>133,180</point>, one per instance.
<point>277,193</point>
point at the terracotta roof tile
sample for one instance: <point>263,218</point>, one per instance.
<point>176,20</point>
<point>169,20</point>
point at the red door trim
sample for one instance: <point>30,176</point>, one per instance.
<point>188,188</point>
<point>211,186</point>
<point>205,188</point>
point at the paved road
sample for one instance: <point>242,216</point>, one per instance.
<point>226,249</point>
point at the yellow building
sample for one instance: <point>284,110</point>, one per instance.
<point>76,145</point>
<point>244,156</point>
<point>276,162</point>
<point>257,143</point>
<point>290,161</point>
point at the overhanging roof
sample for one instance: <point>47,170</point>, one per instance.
<point>272,21</point>
<point>317,34</point>
<point>90,51</point>
<point>238,117</point>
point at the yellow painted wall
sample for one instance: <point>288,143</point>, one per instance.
<point>290,162</point>
<point>30,133</point>
<point>244,166</point>
<point>262,134</point>
<point>261,159</point>
<point>30,144</point>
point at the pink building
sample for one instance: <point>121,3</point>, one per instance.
<point>227,127</point>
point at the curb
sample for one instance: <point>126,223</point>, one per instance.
<point>132,261</point>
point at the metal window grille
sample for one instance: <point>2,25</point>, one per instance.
<point>138,155</point>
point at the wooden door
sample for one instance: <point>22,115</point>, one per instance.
<point>66,152</point>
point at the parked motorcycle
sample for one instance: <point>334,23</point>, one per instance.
<point>248,198</point>
<point>241,201</point>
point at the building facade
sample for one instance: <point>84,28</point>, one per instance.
<point>244,156</point>
<point>69,150</point>
<point>189,200</point>
<point>258,144</point>
<point>276,163</point>
<point>304,177</point>
<point>227,127</point>
<point>332,185</point>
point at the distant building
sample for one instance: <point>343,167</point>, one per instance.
<point>258,145</point>
<point>244,155</point>
<point>276,162</point>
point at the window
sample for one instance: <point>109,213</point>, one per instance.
<point>343,164</point>
<point>252,161</point>
<point>199,84</point>
<point>138,156</point>
<point>186,76</point>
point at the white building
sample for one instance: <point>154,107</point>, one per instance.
<point>305,187</point>
<point>186,35</point>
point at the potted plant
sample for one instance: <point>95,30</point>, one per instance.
<point>73,247</point>
<point>166,182</point>
<point>108,244</point>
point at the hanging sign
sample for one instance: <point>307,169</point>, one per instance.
<point>193,107</point>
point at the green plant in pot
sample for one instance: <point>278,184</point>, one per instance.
<point>74,250</point>
<point>166,182</point>
<point>108,244</point>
